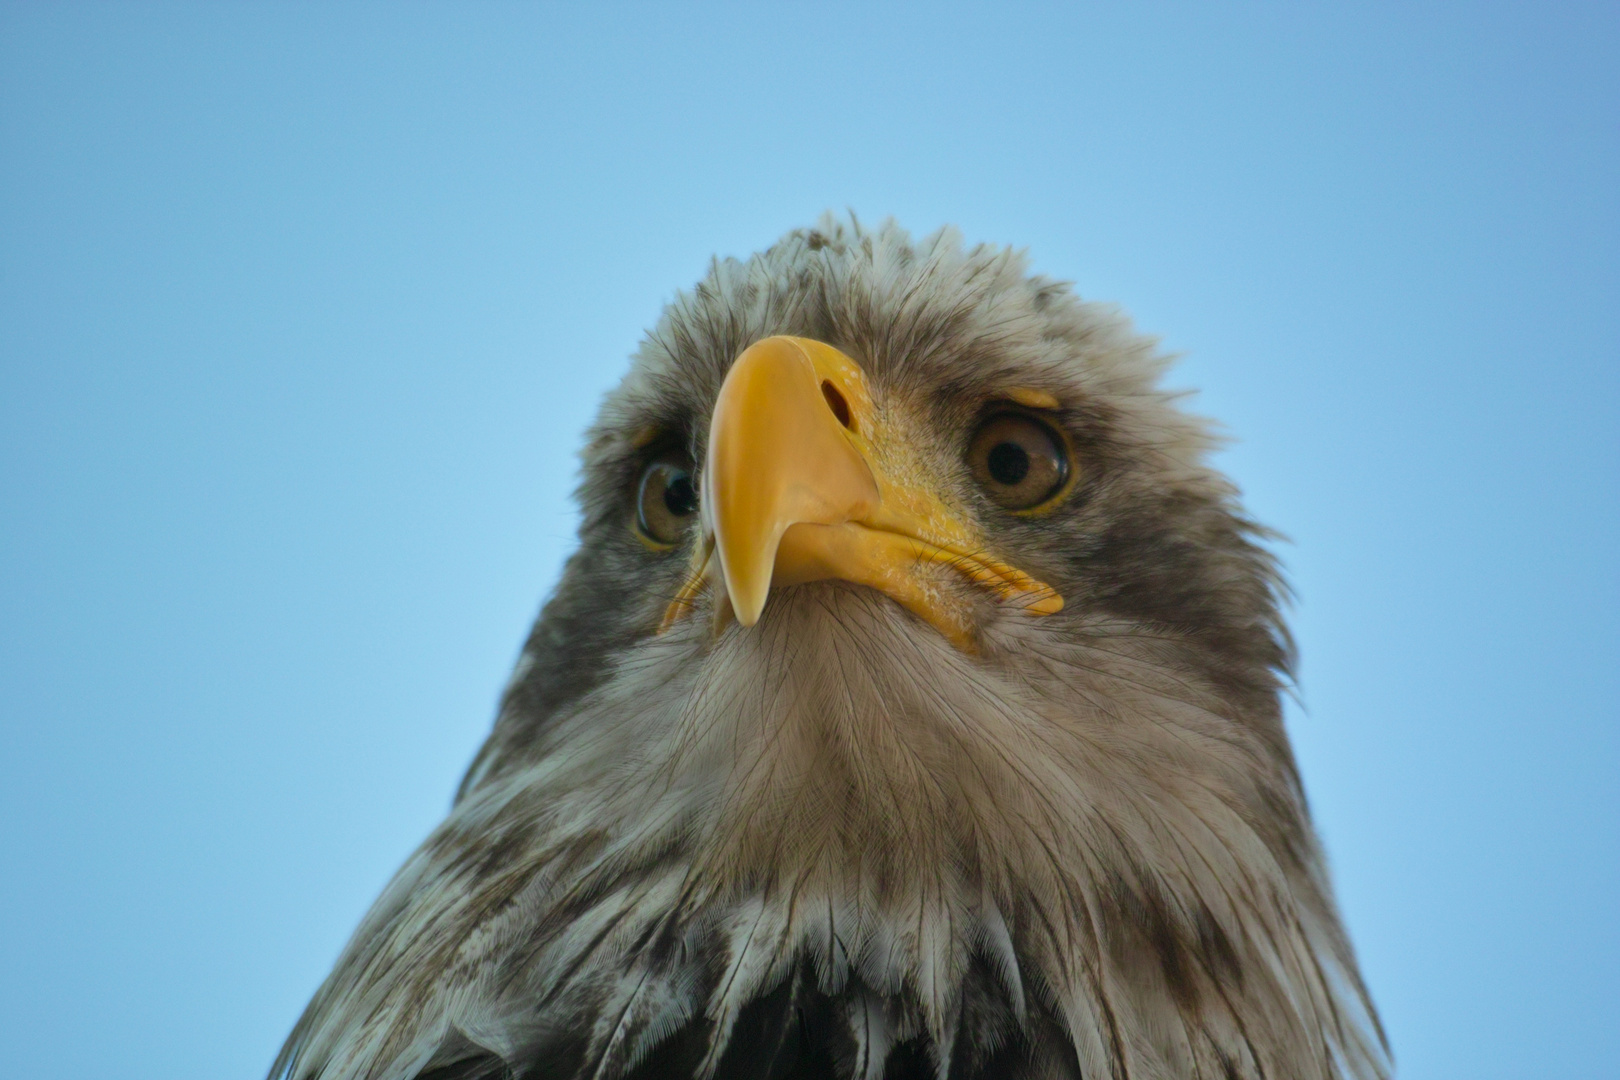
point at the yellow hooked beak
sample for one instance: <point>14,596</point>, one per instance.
<point>799,487</point>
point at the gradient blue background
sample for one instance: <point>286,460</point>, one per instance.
<point>303,309</point>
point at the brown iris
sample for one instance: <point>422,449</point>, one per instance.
<point>1019,461</point>
<point>666,499</point>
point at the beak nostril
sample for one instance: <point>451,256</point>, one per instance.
<point>836,402</point>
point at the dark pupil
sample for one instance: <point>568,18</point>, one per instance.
<point>679,497</point>
<point>1009,463</point>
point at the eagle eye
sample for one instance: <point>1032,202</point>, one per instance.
<point>1019,461</point>
<point>666,499</point>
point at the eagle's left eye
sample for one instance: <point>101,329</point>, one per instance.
<point>666,499</point>
<point>1019,461</point>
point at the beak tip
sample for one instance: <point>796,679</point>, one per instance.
<point>742,590</point>
<point>747,609</point>
<point>746,570</point>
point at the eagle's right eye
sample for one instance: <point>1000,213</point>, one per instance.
<point>666,499</point>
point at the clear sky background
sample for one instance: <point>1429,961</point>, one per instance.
<point>303,310</point>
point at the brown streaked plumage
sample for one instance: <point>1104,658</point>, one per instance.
<point>973,833</point>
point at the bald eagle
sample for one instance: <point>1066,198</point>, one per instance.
<point>909,709</point>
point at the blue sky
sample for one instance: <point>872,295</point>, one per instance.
<point>303,309</point>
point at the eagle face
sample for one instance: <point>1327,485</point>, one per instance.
<point>910,708</point>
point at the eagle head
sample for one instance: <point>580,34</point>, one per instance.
<point>909,709</point>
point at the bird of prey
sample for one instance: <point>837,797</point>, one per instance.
<point>910,709</point>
